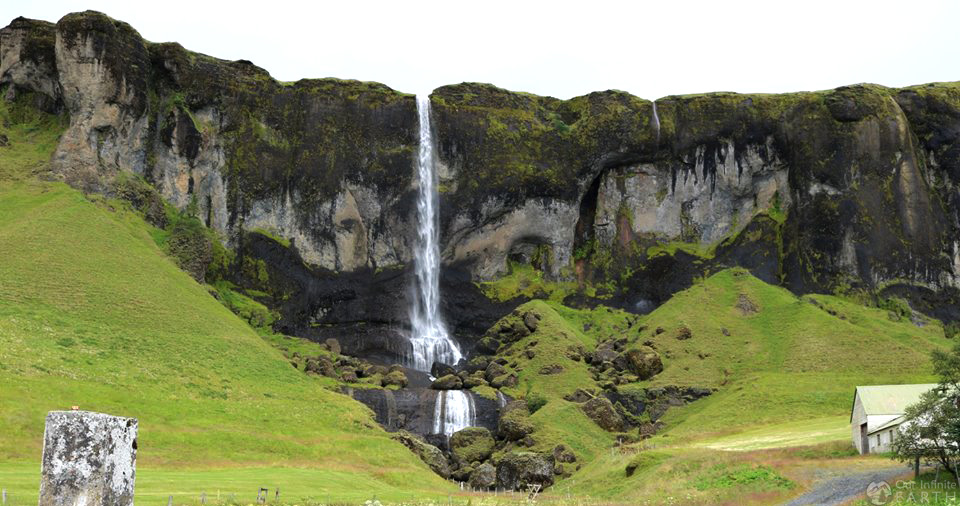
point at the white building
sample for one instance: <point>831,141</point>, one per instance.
<point>877,414</point>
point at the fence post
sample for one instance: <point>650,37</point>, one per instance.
<point>170,501</point>
<point>203,498</point>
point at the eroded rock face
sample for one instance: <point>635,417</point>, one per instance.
<point>89,459</point>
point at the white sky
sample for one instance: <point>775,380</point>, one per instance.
<point>650,49</point>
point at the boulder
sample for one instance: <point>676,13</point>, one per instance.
<point>439,369</point>
<point>644,362</point>
<point>483,477</point>
<point>396,378</point>
<point>505,380</point>
<point>473,380</point>
<point>517,470</point>
<point>448,382</point>
<point>493,370</point>
<point>531,320</point>
<point>373,370</point>
<point>428,453</point>
<point>326,368</point>
<point>602,412</point>
<point>551,369</point>
<point>477,364</point>
<point>562,453</point>
<point>462,473</point>
<point>684,333</point>
<point>349,377</point>
<point>488,346</point>
<point>472,444</point>
<point>604,353</point>
<point>333,345</point>
<point>514,424</point>
<point>580,395</point>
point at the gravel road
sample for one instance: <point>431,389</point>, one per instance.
<point>844,488</point>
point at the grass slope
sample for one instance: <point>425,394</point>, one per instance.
<point>784,369</point>
<point>93,314</point>
<point>785,358</point>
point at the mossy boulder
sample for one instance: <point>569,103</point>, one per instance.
<point>484,477</point>
<point>517,470</point>
<point>514,423</point>
<point>473,444</point>
<point>643,361</point>
<point>602,412</point>
<point>448,382</point>
<point>394,378</point>
<point>428,453</point>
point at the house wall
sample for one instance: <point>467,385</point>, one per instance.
<point>856,419</point>
<point>880,442</point>
<point>873,421</point>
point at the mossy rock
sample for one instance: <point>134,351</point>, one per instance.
<point>473,444</point>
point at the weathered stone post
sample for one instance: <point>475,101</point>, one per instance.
<point>89,459</point>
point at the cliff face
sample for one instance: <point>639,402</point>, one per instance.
<point>849,189</point>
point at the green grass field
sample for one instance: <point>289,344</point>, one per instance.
<point>93,314</point>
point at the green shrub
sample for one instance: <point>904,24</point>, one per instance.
<point>535,401</point>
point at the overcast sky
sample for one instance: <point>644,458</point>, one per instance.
<point>650,49</point>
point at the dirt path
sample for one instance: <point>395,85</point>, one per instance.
<point>844,488</point>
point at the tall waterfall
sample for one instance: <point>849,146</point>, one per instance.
<point>428,337</point>
<point>453,411</point>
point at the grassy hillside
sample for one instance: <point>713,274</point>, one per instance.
<point>93,314</point>
<point>783,367</point>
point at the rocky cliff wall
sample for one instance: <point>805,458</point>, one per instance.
<point>853,189</point>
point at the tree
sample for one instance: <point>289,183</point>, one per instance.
<point>931,429</point>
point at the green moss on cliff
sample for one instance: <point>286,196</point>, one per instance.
<point>28,137</point>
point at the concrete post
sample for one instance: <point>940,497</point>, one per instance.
<point>89,459</point>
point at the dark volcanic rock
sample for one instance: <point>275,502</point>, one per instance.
<point>439,370</point>
<point>516,470</point>
<point>483,477</point>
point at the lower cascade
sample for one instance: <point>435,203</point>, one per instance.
<point>453,411</point>
<point>429,338</point>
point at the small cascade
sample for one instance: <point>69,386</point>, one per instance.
<point>655,121</point>
<point>453,411</point>
<point>429,339</point>
<point>501,399</point>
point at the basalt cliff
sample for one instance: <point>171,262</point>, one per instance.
<point>853,190</point>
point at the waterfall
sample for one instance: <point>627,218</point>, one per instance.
<point>501,399</point>
<point>429,339</point>
<point>453,411</point>
<point>655,121</point>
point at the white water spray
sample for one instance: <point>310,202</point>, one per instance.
<point>453,411</point>
<point>429,339</point>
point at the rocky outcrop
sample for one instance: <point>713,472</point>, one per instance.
<point>429,454</point>
<point>517,470</point>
